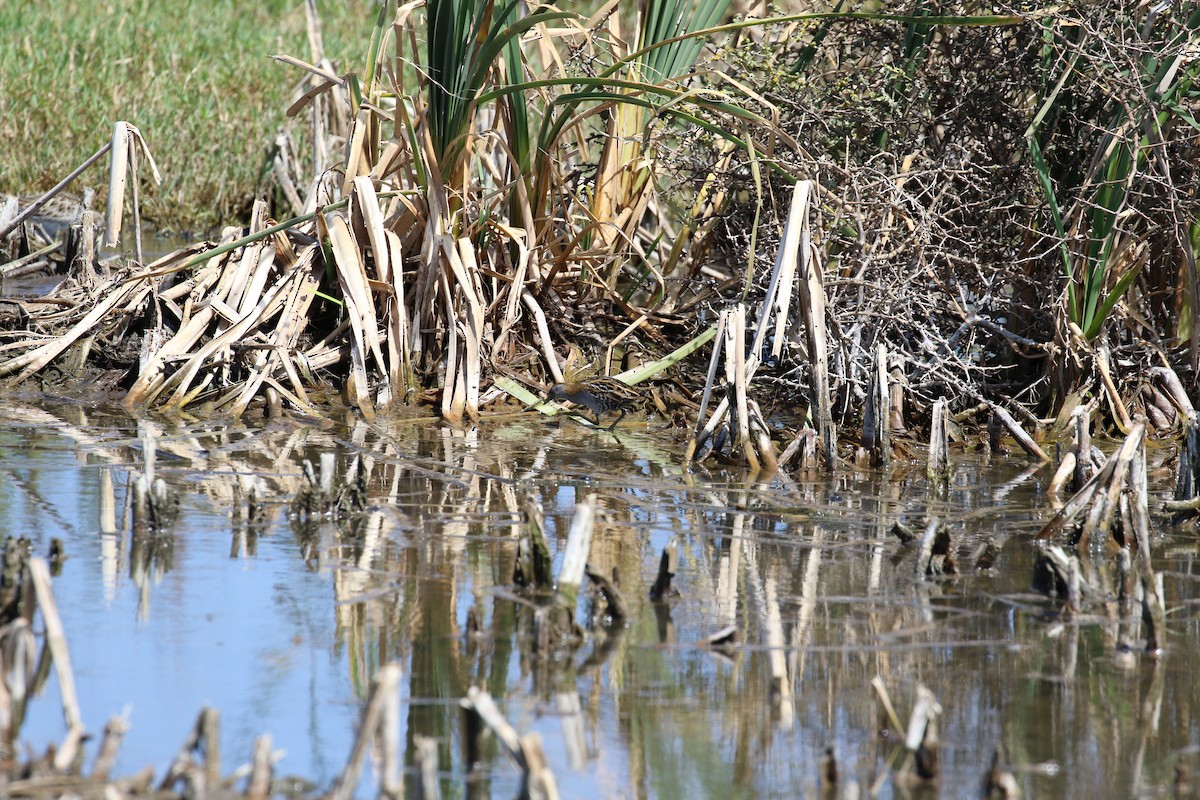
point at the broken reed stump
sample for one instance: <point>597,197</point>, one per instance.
<point>14,589</point>
<point>324,496</point>
<point>936,556</point>
<point>537,781</point>
<point>1111,512</point>
<point>999,783</point>
<point>1076,466</point>
<point>197,764</point>
<point>384,695</point>
<point>877,412</point>
<point>1187,478</point>
<point>575,555</point>
<point>554,625</point>
<point>662,588</point>
<point>110,745</point>
<point>154,506</point>
<point>1099,499</point>
<point>615,610</point>
<point>533,567</point>
<point>426,755</point>
<point>1082,423</point>
<point>921,765</point>
<point>922,738</point>
<point>939,444</point>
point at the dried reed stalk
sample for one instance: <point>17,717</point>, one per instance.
<point>576,554</point>
<point>939,444</point>
<point>812,306</point>
<point>877,436</point>
<point>384,688</point>
<point>56,640</point>
<point>1023,439</point>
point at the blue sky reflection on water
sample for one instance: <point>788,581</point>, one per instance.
<point>252,637</point>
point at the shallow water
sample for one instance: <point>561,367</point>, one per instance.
<point>281,628</point>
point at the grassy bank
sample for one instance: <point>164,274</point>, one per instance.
<point>195,77</point>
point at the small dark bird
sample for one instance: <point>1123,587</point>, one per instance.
<point>600,396</point>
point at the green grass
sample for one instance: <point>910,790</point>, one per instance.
<point>195,77</point>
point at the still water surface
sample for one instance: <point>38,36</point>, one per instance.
<point>281,628</point>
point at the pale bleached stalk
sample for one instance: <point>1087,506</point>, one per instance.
<point>777,301</point>
<point>1082,419</point>
<point>56,640</point>
<point>1023,439</point>
<point>812,302</point>
<point>741,379</point>
<point>702,430</point>
<point>938,464</point>
<point>516,289</point>
<point>384,686</point>
<point>473,325</point>
<point>399,346</point>
<point>575,556</point>
<point>117,172</point>
<point>539,318</point>
<point>360,310</point>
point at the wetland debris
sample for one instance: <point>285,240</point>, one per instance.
<point>1117,520</point>
<point>921,764</point>
<point>380,714</point>
<point>904,533</point>
<point>323,497</point>
<point>554,625</point>
<point>1101,497</point>
<point>922,738</point>
<point>1018,433</point>
<point>537,781</point>
<point>533,566</point>
<point>925,566</point>
<point>938,465</point>
<point>575,555</point>
<point>615,610</point>
<point>999,783</point>
<point>1187,478</point>
<point>197,764</point>
<point>1077,464</point>
<point>736,425</point>
<point>941,559</point>
<point>877,412</point>
<point>426,756</point>
<point>154,506</point>
<point>662,588</point>
<point>725,639</point>
<point>828,778</point>
<point>803,448</point>
<point>13,583</point>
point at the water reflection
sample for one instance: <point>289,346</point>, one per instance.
<point>282,618</point>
